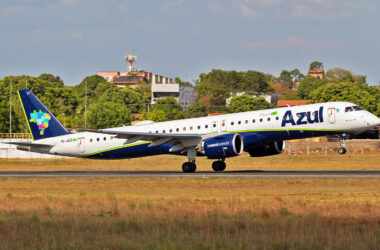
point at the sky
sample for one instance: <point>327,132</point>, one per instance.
<point>77,38</point>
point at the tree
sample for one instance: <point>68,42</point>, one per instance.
<point>253,82</point>
<point>248,103</point>
<point>347,91</point>
<point>307,85</point>
<point>51,79</point>
<point>197,109</point>
<point>4,117</point>
<point>165,109</point>
<point>108,114</point>
<point>218,85</point>
<point>344,75</point>
<point>316,65</point>
<point>131,98</point>
<point>290,77</point>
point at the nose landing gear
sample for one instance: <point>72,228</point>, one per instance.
<point>342,149</point>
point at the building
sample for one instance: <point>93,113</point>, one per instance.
<point>110,76</point>
<point>318,73</point>
<point>161,86</point>
<point>187,95</point>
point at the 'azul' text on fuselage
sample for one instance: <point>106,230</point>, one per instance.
<point>302,118</point>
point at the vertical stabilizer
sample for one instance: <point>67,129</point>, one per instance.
<point>42,123</point>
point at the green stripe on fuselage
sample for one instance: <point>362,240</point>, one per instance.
<point>138,143</point>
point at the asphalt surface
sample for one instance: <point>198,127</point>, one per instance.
<point>168,174</point>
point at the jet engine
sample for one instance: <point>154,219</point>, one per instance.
<point>223,146</point>
<point>267,149</point>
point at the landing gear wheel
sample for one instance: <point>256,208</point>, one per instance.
<point>218,166</point>
<point>342,150</point>
<point>189,167</point>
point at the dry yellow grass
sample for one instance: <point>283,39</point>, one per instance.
<point>355,198</point>
<point>173,163</point>
<point>182,213</point>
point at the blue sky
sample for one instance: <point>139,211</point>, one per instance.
<point>75,38</point>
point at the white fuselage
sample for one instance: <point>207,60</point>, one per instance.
<point>329,117</point>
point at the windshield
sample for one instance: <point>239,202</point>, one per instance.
<point>353,108</point>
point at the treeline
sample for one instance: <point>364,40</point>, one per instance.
<point>108,105</point>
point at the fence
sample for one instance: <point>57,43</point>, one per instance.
<point>325,148</point>
<point>15,136</point>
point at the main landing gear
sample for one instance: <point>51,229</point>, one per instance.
<point>190,166</point>
<point>219,166</point>
<point>342,149</point>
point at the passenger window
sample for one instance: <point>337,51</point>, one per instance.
<point>246,121</point>
<point>261,119</point>
<point>268,119</point>
<point>184,128</point>
<point>239,122</point>
<point>277,118</point>
<point>253,121</point>
<point>214,125</point>
<point>98,139</point>
<point>90,140</point>
<point>232,123</point>
<point>163,131</point>
<point>206,126</point>
<point>156,131</point>
<point>191,128</point>
<point>171,130</point>
<point>199,127</point>
<point>177,129</point>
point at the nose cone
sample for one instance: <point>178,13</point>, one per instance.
<point>374,120</point>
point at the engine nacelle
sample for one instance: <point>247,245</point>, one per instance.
<point>223,146</point>
<point>268,149</point>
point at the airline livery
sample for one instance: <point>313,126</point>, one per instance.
<point>260,133</point>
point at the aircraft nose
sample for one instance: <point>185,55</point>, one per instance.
<point>373,120</point>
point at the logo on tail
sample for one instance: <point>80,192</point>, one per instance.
<point>41,119</point>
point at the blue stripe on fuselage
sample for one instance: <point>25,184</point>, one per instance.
<point>249,138</point>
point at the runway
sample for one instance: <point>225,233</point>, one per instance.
<point>173,174</point>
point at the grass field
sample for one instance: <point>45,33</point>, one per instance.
<point>187,213</point>
<point>178,213</point>
<point>173,163</point>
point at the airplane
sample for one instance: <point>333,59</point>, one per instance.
<point>259,133</point>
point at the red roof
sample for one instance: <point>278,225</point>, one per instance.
<point>287,103</point>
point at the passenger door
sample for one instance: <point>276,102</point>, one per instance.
<point>331,115</point>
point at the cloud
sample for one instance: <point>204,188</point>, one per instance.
<point>171,4</point>
<point>291,42</point>
<point>303,8</point>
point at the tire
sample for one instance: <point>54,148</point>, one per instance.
<point>219,166</point>
<point>189,167</point>
<point>342,150</point>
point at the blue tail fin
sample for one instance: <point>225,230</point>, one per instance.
<point>42,123</point>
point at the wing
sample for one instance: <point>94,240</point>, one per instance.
<point>179,141</point>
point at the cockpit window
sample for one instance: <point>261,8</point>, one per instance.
<point>358,108</point>
<point>349,109</point>
<point>353,108</point>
